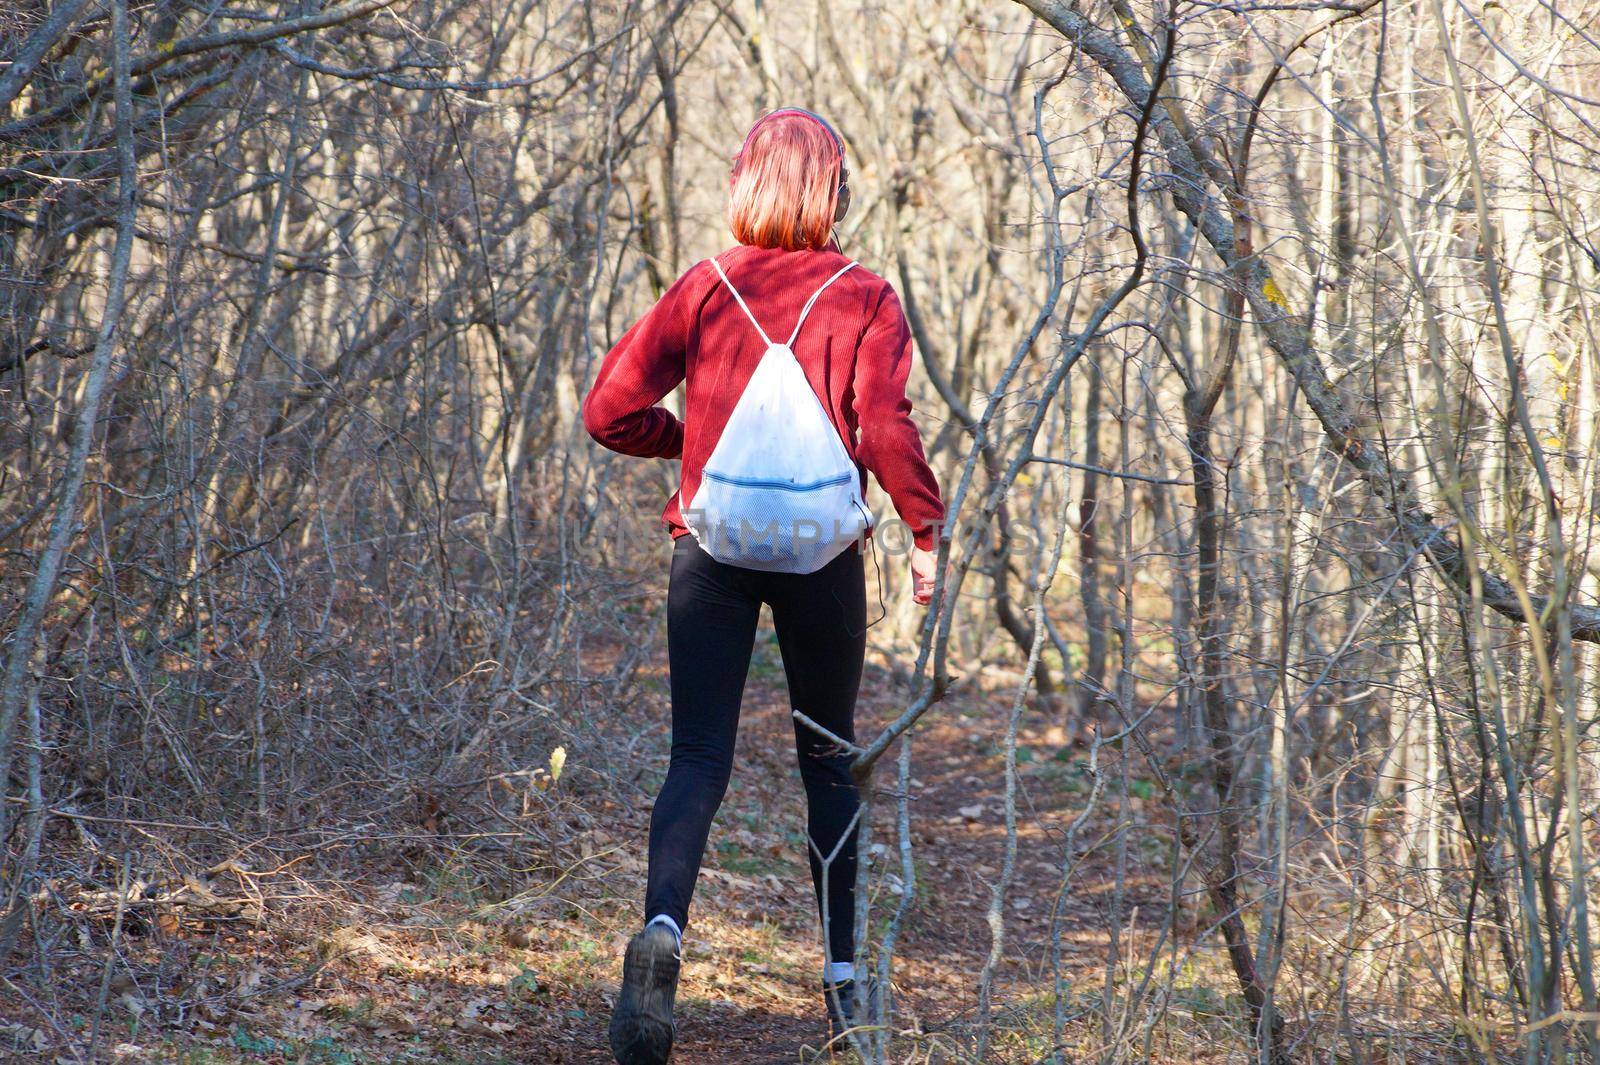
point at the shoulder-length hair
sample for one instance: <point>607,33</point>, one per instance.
<point>785,184</point>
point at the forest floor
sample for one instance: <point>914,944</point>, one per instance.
<point>374,966</point>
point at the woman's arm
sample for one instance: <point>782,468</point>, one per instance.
<point>888,441</point>
<point>647,363</point>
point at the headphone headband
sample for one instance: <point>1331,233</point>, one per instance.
<point>838,141</point>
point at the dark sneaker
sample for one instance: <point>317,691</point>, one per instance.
<point>844,1012</point>
<point>641,1025</point>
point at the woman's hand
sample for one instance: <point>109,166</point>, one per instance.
<point>923,567</point>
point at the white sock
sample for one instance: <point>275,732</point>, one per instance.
<point>837,972</point>
<point>661,918</point>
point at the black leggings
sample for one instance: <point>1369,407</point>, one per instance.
<point>820,619</point>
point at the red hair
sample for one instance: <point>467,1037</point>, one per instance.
<point>785,184</point>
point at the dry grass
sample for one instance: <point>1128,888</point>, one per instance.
<point>360,944</point>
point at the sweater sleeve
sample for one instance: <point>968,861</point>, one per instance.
<point>621,410</point>
<point>889,444</point>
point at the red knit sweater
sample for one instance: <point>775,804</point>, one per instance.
<point>855,349</point>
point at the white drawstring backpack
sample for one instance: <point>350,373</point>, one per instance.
<point>779,493</point>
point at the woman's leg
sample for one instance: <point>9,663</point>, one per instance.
<point>821,621</point>
<point>711,626</point>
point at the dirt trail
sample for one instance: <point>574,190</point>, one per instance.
<point>749,991</point>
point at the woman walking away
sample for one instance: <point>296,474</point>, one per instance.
<point>773,443</point>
